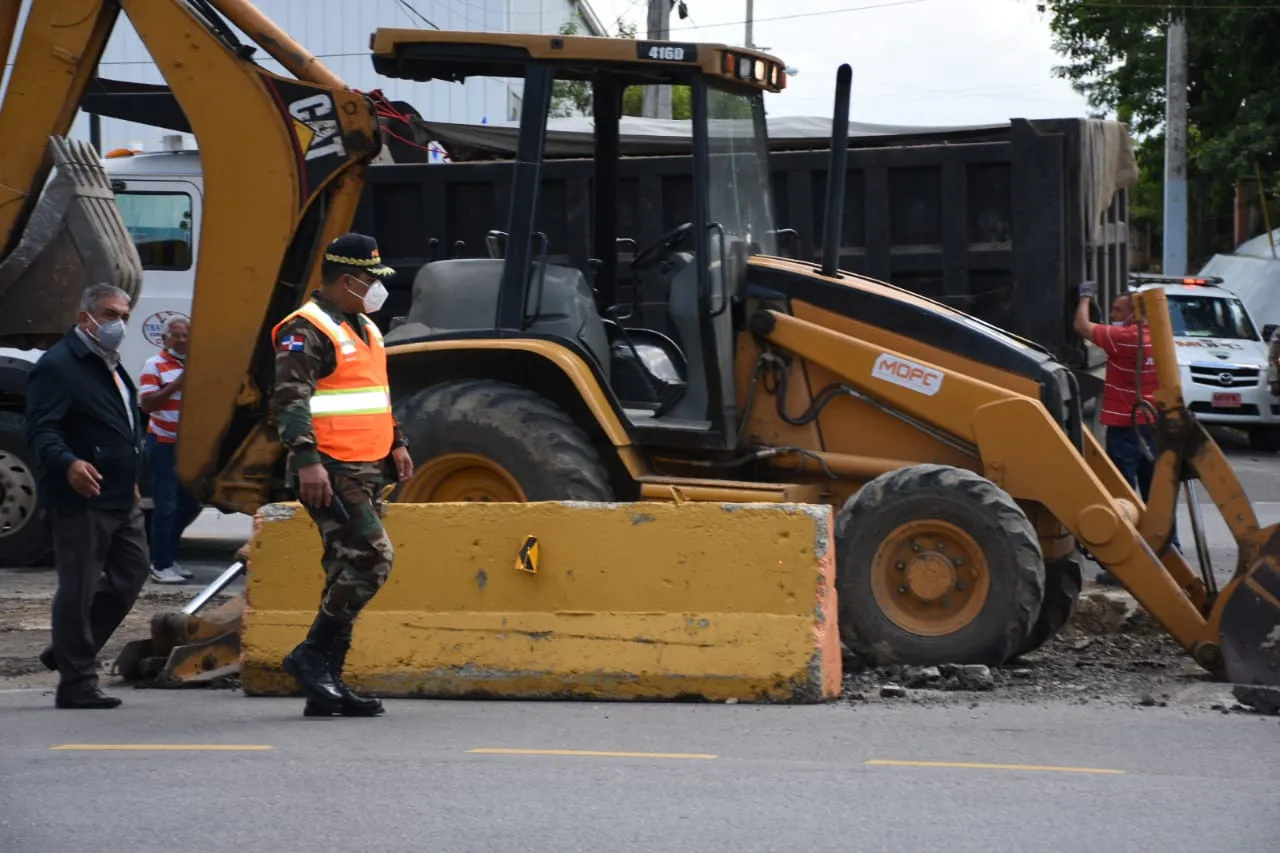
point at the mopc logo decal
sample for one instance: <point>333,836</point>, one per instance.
<point>318,136</point>
<point>908,374</point>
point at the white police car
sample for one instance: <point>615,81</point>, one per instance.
<point>1222,356</point>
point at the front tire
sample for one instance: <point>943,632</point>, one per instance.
<point>936,564</point>
<point>483,440</point>
<point>25,537</point>
<point>1063,580</point>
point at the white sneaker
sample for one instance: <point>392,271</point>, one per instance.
<point>186,573</point>
<point>166,576</point>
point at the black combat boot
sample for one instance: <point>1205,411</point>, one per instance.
<point>309,662</point>
<point>353,705</point>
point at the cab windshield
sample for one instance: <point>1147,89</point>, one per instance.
<point>739,199</point>
<point>1210,317</point>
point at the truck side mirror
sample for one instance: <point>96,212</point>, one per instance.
<point>1269,330</point>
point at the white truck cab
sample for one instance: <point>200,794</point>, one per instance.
<point>1222,357</point>
<point>160,196</point>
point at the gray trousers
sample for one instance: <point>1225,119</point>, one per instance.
<point>102,560</point>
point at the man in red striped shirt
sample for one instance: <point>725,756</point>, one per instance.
<point>160,393</point>
<point>1119,341</point>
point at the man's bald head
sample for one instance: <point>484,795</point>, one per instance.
<point>1122,308</point>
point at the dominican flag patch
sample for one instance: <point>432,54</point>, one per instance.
<point>293,343</point>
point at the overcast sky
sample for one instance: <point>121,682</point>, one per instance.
<point>918,62</point>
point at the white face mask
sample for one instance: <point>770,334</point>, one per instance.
<point>373,297</point>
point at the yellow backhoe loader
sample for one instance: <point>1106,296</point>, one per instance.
<point>705,366</point>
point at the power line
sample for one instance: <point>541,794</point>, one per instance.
<point>405,4</point>
<point>1097,4</point>
<point>823,13</point>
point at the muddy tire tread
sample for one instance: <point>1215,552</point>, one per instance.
<point>1004,518</point>
<point>1063,581</point>
<point>555,458</point>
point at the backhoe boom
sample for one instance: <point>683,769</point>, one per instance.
<point>283,164</point>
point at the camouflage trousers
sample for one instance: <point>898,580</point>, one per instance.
<point>357,551</point>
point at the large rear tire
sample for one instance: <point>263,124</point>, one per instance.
<point>1265,439</point>
<point>1063,580</point>
<point>936,564</point>
<point>483,440</point>
<point>25,537</point>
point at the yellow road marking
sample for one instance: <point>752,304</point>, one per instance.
<point>591,753</point>
<point>161,747</point>
<point>974,766</point>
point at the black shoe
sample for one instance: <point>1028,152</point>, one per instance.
<point>47,658</point>
<point>91,698</point>
<point>353,705</point>
<point>309,662</point>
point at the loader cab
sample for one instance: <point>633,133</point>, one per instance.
<point>649,299</point>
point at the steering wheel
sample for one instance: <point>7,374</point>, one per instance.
<point>664,246</point>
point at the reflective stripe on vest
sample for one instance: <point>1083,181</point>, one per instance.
<point>350,401</point>
<point>351,407</point>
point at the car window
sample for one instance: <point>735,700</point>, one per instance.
<point>1210,317</point>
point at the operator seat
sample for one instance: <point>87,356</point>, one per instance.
<point>461,295</point>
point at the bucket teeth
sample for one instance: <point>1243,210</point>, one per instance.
<point>74,237</point>
<point>1250,633</point>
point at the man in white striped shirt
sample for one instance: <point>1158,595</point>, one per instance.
<point>160,393</point>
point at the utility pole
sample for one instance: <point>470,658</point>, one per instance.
<point>657,99</point>
<point>1175,150</point>
<point>751,15</point>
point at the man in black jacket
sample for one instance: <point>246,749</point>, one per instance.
<point>86,431</point>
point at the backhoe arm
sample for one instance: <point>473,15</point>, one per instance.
<point>1025,452</point>
<point>282,161</point>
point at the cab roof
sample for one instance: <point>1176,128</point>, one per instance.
<point>451,55</point>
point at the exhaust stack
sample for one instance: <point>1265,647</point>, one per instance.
<point>836,171</point>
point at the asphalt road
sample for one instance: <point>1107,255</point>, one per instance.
<point>494,776</point>
<point>672,777</point>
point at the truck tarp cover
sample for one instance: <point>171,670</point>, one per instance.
<point>1253,274</point>
<point>573,137</point>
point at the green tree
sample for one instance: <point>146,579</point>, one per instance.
<point>1114,54</point>
<point>574,96</point>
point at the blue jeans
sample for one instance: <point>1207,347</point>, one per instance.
<point>1126,454</point>
<point>175,507</point>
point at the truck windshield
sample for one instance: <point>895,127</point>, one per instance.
<point>739,198</point>
<point>1210,317</point>
<point>160,225</point>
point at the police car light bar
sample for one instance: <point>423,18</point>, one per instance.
<point>1189,281</point>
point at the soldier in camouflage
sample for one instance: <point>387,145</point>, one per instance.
<point>339,469</point>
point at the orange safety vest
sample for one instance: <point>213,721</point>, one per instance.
<point>351,407</point>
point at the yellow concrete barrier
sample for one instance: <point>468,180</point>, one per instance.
<point>628,601</point>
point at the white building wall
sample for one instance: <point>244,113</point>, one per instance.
<point>337,31</point>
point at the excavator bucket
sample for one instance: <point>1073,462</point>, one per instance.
<point>1250,634</point>
<point>185,649</point>
<point>75,237</point>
